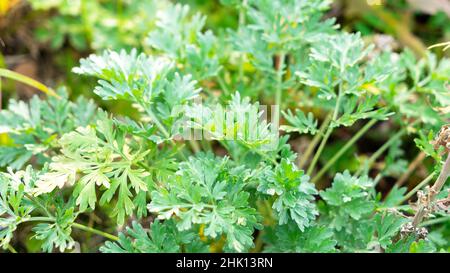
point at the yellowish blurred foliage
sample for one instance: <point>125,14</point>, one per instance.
<point>7,5</point>
<point>4,139</point>
<point>217,246</point>
<point>371,88</point>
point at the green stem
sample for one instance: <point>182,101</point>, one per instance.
<point>279,90</point>
<point>39,204</point>
<point>241,25</point>
<point>120,15</point>
<point>96,231</point>
<point>206,145</point>
<point>1,94</point>
<point>263,155</point>
<point>75,225</point>
<point>341,151</point>
<point>144,166</point>
<point>274,162</point>
<point>399,30</point>
<point>435,221</point>
<point>422,184</point>
<point>225,145</point>
<point>439,184</point>
<point>162,129</point>
<point>28,81</point>
<point>377,178</point>
<point>258,242</point>
<point>269,210</point>
<point>194,145</point>
<point>380,151</point>
<point>319,150</point>
<point>328,132</point>
<point>38,219</point>
<point>158,124</point>
<point>11,248</point>
<point>314,142</point>
<point>223,85</point>
<point>446,45</point>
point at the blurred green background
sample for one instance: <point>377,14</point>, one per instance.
<point>44,39</point>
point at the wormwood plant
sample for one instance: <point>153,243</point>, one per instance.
<point>201,170</point>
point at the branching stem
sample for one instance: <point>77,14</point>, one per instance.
<point>75,225</point>
<point>437,187</point>
<point>380,151</point>
<point>327,135</point>
<point>422,184</point>
<point>341,151</point>
<point>314,141</point>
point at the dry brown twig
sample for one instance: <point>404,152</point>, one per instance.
<point>425,199</point>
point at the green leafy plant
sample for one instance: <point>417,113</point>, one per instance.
<point>197,168</point>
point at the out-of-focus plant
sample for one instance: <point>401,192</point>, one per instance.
<point>97,25</point>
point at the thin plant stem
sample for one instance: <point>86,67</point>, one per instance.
<point>377,178</point>
<point>227,148</point>
<point>6,73</point>
<point>39,204</point>
<point>341,151</point>
<point>241,25</point>
<point>437,187</point>
<point>120,15</point>
<point>158,124</point>
<point>411,168</point>
<point>11,248</point>
<point>162,129</point>
<point>1,94</point>
<point>75,225</point>
<point>223,85</point>
<point>206,144</point>
<point>86,22</point>
<point>38,219</point>
<point>144,166</point>
<point>314,142</point>
<point>258,242</point>
<point>95,231</point>
<point>435,221</point>
<point>327,134</point>
<point>422,184</point>
<point>279,89</point>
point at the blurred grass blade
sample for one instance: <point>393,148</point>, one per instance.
<point>27,80</point>
<point>446,45</point>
